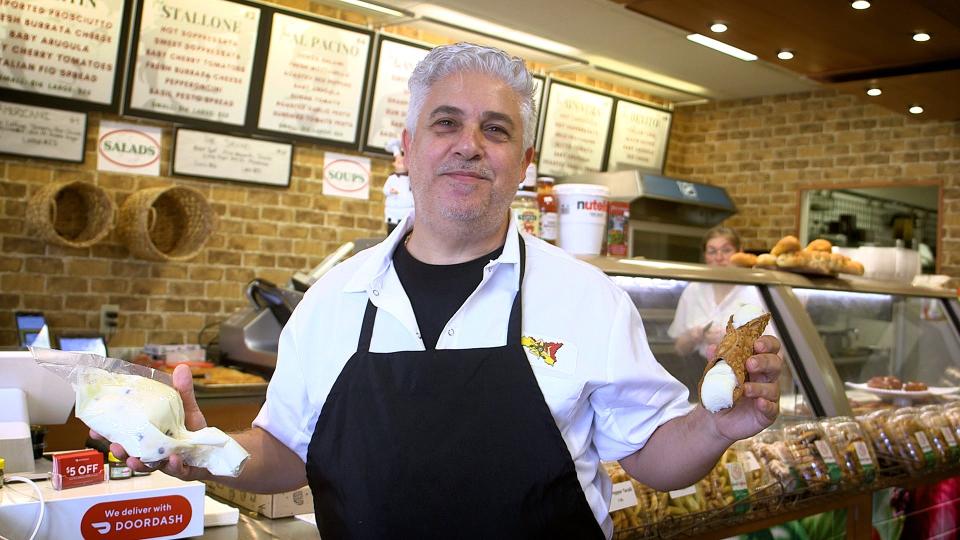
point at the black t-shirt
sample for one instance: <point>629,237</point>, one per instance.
<point>436,291</point>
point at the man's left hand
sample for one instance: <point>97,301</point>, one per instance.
<point>760,403</point>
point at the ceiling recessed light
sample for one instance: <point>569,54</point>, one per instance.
<point>921,36</point>
<point>785,54</point>
<point>860,4</point>
<point>718,27</point>
<point>722,47</point>
<point>915,109</point>
<point>874,92</point>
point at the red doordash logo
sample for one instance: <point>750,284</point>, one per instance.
<point>151,517</point>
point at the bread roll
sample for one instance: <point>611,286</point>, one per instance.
<point>787,244</point>
<point>852,267</point>
<point>820,245</point>
<point>794,259</point>
<point>746,260</point>
<point>767,260</point>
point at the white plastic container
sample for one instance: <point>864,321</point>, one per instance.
<point>583,217</point>
<point>885,263</point>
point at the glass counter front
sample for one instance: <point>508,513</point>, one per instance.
<point>673,309</point>
<point>872,335</point>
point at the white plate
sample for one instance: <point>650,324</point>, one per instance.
<point>930,391</point>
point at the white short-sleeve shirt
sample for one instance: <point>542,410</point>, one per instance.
<point>603,386</point>
<point>698,306</point>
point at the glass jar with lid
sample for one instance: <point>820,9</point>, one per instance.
<point>527,212</point>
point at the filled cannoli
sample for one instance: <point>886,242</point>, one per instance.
<point>722,382</point>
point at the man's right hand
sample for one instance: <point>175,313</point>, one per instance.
<point>193,420</point>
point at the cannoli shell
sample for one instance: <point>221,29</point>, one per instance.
<point>735,347</point>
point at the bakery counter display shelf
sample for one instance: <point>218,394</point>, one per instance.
<point>796,468</point>
<point>850,344</point>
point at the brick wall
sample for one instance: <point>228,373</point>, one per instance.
<point>262,232</point>
<point>765,150</point>
<point>762,150</point>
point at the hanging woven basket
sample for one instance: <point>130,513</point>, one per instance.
<point>165,223</point>
<point>74,214</point>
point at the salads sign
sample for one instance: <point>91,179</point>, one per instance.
<point>129,148</point>
<point>346,176</point>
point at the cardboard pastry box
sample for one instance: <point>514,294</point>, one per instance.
<point>276,505</point>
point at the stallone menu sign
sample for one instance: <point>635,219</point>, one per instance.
<point>316,74</point>
<point>64,49</point>
<point>193,60</point>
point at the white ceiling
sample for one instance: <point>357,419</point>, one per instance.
<point>609,35</point>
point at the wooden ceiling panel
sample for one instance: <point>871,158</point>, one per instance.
<point>932,91</point>
<point>837,45</point>
<point>827,36</point>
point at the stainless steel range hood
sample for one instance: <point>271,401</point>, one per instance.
<point>660,199</point>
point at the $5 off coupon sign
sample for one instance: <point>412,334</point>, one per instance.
<point>346,176</point>
<point>129,148</point>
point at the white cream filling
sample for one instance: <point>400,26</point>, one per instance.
<point>718,385</point>
<point>746,313</point>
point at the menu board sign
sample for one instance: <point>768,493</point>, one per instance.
<point>575,130</point>
<point>639,138</point>
<point>388,107</point>
<point>193,60</point>
<point>225,157</point>
<point>539,83</point>
<point>42,132</point>
<point>315,79</point>
<point>68,50</point>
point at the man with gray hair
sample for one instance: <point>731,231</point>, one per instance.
<point>461,379</point>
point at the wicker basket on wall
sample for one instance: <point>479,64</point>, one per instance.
<point>74,214</point>
<point>165,223</point>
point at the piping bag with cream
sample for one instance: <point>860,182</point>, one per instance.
<point>722,382</point>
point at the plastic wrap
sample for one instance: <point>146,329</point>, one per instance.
<point>940,432</point>
<point>855,453</point>
<point>770,448</point>
<point>138,408</point>
<point>813,456</point>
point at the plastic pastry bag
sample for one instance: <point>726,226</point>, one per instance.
<point>138,408</point>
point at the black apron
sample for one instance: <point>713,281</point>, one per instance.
<point>455,443</point>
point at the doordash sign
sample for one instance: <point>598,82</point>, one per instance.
<point>150,517</point>
<point>129,148</point>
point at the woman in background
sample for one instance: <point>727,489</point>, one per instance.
<point>703,309</point>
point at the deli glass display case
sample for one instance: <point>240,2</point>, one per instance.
<point>836,333</point>
<point>869,402</point>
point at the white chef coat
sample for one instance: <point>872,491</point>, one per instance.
<point>605,390</point>
<point>698,306</point>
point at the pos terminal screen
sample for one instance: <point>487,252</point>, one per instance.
<point>32,329</point>
<point>90,344</point>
